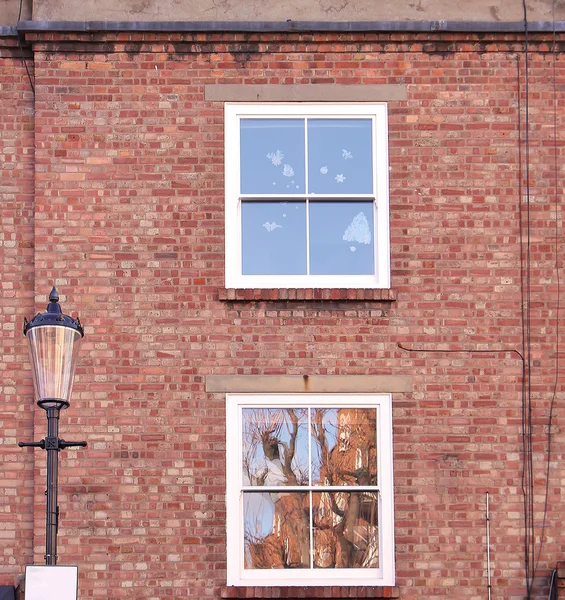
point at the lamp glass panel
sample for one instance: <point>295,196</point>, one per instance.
<point>53,352</point>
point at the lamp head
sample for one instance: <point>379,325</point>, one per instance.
<point>54,340</point>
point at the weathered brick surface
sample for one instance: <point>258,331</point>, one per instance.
<point>129,225</point>
<point>16,300</point>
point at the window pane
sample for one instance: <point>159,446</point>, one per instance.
<point>344,446</point>
<point>272,156</point>
<point>273,238</point>
<point>340,156</point>
<point>345,530</point>
<point>277,530</point>
<point>342,238</point>
<point>275,446</point>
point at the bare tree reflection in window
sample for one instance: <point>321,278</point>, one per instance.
<point>346,523</point>
<point>276,454</point>
<point>289,448</point>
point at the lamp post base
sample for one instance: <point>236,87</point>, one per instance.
<point>51,583</point>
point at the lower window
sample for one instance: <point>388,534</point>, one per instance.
<point>309,490</point>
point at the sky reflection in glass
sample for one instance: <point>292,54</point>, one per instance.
<point>340,157</point>
<point>277,236</point>
<point>272,156</point>
<point>273,238</point>
<point>341,238</point>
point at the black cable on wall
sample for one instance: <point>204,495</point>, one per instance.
<point>23,53</point>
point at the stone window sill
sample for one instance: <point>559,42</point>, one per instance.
<point>310,592</point>
<point>307,294</point>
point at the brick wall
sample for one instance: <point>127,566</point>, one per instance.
<point>129,225</point>
<point>16,300</point>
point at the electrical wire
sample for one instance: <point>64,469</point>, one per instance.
<point>553,586</point>
<point>527,434</point>
<point>22,51</point>
<point>489,351</point>
<point>462,350</point>
<point>487,527</point>
<point>558,282</point>
<point>523,308</point>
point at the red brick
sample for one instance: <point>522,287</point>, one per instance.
<point>124,213</point>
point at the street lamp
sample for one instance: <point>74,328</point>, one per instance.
<point>54,340</point>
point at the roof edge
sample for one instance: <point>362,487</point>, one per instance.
<point>8,31</point>
<point>284,26</point>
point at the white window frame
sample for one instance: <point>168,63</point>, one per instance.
<point>233,113</point>
<point>237,574</point>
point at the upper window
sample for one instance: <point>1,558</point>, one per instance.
<point>307,196</point>
<point>309,490</point>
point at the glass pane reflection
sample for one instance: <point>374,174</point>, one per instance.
<point>344,446</point>
<point>275,446</point>
<point>276,530</point>
<point>310,449</point>
<point>272,156</point>
<point>342,238</point>
<point>340,156</point>
<point>273,238</point>
<point>346,533</point>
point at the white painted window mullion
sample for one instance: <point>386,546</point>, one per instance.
<point>307,192</point>
<point>310,498</point>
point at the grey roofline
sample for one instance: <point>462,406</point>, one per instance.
<point>284,26</point>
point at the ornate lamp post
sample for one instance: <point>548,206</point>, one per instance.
<point>54,340</point>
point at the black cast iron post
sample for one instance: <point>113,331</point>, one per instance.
<point>52,516</point>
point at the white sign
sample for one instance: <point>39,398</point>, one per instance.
<point>51,583</point>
